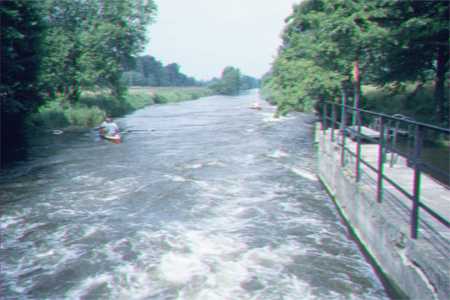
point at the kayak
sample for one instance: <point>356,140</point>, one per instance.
<point>256,106</point>
<point>116,139</point>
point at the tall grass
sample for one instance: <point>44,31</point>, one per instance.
<point>93,107</point>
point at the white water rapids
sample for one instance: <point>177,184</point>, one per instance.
<point>208,200</point>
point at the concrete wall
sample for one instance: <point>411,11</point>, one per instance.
<point>415,267</point>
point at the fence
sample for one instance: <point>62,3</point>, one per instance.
<point>344,122</point>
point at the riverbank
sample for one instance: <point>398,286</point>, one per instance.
<point>93,107</point>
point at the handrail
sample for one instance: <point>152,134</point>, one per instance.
<point>412,122</point>
<point>387,142</point>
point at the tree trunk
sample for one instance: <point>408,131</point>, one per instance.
<point>440,96</point>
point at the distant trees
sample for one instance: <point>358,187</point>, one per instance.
<point>148,71</point>
<point>394,42</point>
<point>232,82</point>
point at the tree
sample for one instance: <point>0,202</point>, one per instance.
<point>417,47</point>
<point>156,74</point>
<point>229,84</point>
<point>20,48</point>
<point>392,41</point>
<point>248,82</point>
<point>89,42</point>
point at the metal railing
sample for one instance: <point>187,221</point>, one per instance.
<point>385,132</point>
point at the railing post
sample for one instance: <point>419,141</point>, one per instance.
<point>417,182</point>
<point>343,125</point>
<point>394,145</point>
<point>380,170</point>
<point>325,116</point>
<point>358,147</point>
<point>333,120</point>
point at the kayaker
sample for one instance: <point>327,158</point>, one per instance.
<point>109,127</point>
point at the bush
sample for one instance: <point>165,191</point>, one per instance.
<point>51,115</point>
<point>93,107</point>
<point>84,116</point>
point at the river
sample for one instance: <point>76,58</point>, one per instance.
<point>206,199</point>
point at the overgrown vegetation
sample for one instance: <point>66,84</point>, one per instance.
<point>400,46</point>
<point>93,107</point>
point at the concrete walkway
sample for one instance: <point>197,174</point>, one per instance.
<point>420,267</point>
<point>433,194</point>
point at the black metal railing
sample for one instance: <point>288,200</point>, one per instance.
<point>386,131</point>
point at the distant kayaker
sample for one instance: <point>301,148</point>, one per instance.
<point>109,127</point>
<point>256,106</point>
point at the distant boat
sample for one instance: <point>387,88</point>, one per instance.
<point>256,105</point>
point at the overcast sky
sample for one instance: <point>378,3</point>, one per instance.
<point>204,36</point>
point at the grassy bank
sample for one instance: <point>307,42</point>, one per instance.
<point>93,107</point>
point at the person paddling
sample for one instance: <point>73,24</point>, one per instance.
<point>109,130</point>
<point>109,127</point>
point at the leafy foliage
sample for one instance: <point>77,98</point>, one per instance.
<point>395,42</point>
<point>89,42</point>
<point>55,49</point>
<point>20,49</point>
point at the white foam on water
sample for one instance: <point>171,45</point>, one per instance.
<point>87,285</point>
<point>303,173</point>
<point>63,212</point>
<point>88,180</point>
<point>109,198</point>
<point>6,221</point>
<point>295,289</point>
<point>175,178</point>
<point>193,166</point>
<point>180,268</point>
<point>217,163</point>
<point>278,153</point>
<point>211,259</point>
<point>270,118</point>
<point>134,282</point>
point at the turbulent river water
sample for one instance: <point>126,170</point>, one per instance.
<point>205,199</point>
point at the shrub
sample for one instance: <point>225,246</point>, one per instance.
<point>84,116</point>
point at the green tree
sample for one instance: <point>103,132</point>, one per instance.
<point>21,31</point>
<point>89,42</point>
<point>393,42</point>
<point>112,40</point>
<point>229,83</point>
<point>416,48</point>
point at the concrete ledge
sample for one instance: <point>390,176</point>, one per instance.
<point>415,269</point>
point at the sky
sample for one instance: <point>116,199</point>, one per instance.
<point>205,36</point>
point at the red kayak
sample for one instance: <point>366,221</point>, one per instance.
<point>115,139</point>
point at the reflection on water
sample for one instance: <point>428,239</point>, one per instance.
<point>208,200</point>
